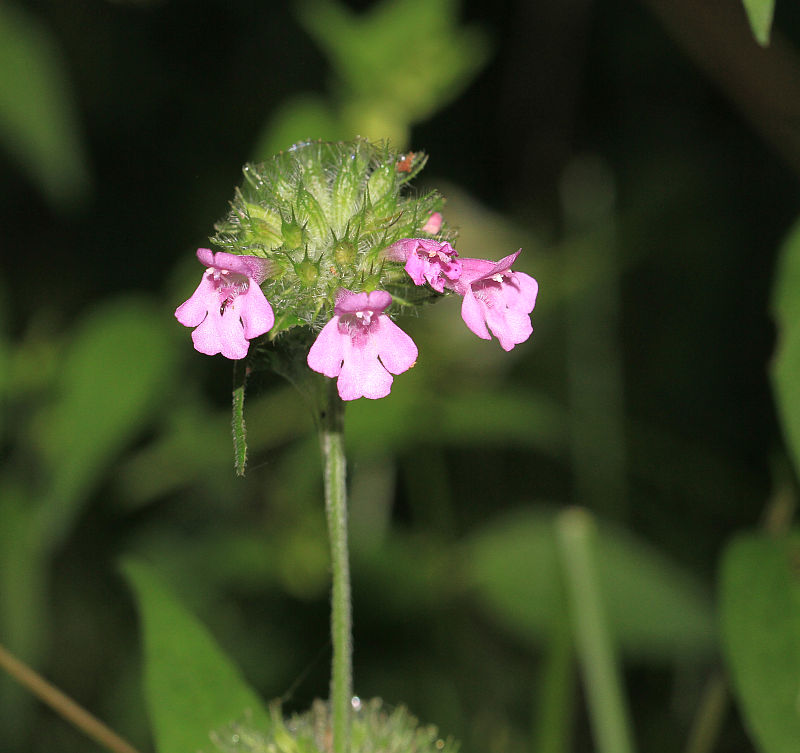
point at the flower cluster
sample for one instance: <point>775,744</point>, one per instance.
<point>326,235</point>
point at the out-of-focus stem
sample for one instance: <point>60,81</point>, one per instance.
<point>553,712</point>
<point>63,705</point>
<point>607,707</point>
<point>331,432</point>
<point>710,715</point>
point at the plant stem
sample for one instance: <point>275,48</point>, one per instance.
<point>331,433</point>
<point>63,705</point>
<point>710,715</point>
<point>555,699</point>
<point>607,708</point>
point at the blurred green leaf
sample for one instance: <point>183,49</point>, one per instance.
<point>655,609</point>
<point>458,418</point>
<point>786,364</point>
<point>38,120</point>
<point>114,376</point>
<point>760,615</point>
<point>759,14</point>
<point>191,687</point>
<point>397,63</point>
<point>24,622</point>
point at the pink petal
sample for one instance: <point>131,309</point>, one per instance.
<point>192,312</point>
<point>416,268</point>
<point>528,289</point>
<point>348,302</point>
<point>362,374</point>
<point>328,351</point>
<point>473,270</point>
<point>249,266</point>
<point>509,327</point>
<point>401,250</point>
<point>472,312</point>
<point>255,311</point>
<point>221,334</point>
<point>396,349</point>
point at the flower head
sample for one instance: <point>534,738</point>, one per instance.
<point>427,260</point>
<point>497,299</point>
<point>228,307</point>
<point>362,346</point>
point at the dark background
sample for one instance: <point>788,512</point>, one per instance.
<point>693,126</point>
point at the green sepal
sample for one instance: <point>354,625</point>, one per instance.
<point>311,212</point>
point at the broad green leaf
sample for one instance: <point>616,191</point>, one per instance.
<point>655,609</point>
<point>114,377</point>
<point>759,14</point>
<point>760,616</point>
<point>191,687</point>
<point>38,121</point>
<point>786,364</point>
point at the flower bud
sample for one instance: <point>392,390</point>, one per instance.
<point>344,252</point>
<point>292,234</point>
<point>307,271</point>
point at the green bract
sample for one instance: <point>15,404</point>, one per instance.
<point>323,213</point>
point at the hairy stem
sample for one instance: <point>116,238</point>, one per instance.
<point>331,431</point>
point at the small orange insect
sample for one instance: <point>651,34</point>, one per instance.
<point>405,163</point>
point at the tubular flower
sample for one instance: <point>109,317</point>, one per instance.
<point>427,259</point>
<point>228,308</point>
<point>497,299</point>
<point>362,346</point>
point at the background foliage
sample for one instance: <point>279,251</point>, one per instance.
<point>644,157</point>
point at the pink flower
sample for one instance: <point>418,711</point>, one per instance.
<point>362,346</point>
<point>427,259</point>
<point>228,307</point>
<point>434,223</point>
<point>497,299</point>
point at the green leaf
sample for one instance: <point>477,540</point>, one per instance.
<point>191,687</point>
<point>655,609</point>
<point>786,364</point>
<point>113,377</point>
<point>760,615</point>
<point>38,121</point>
<point>759,14</point>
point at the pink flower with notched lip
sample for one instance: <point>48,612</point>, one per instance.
<point>228,308</point>
<point>362,346</point>
<point>497,299</point>
<point>427,260</point>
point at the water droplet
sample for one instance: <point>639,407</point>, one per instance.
<point>355,702</point>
